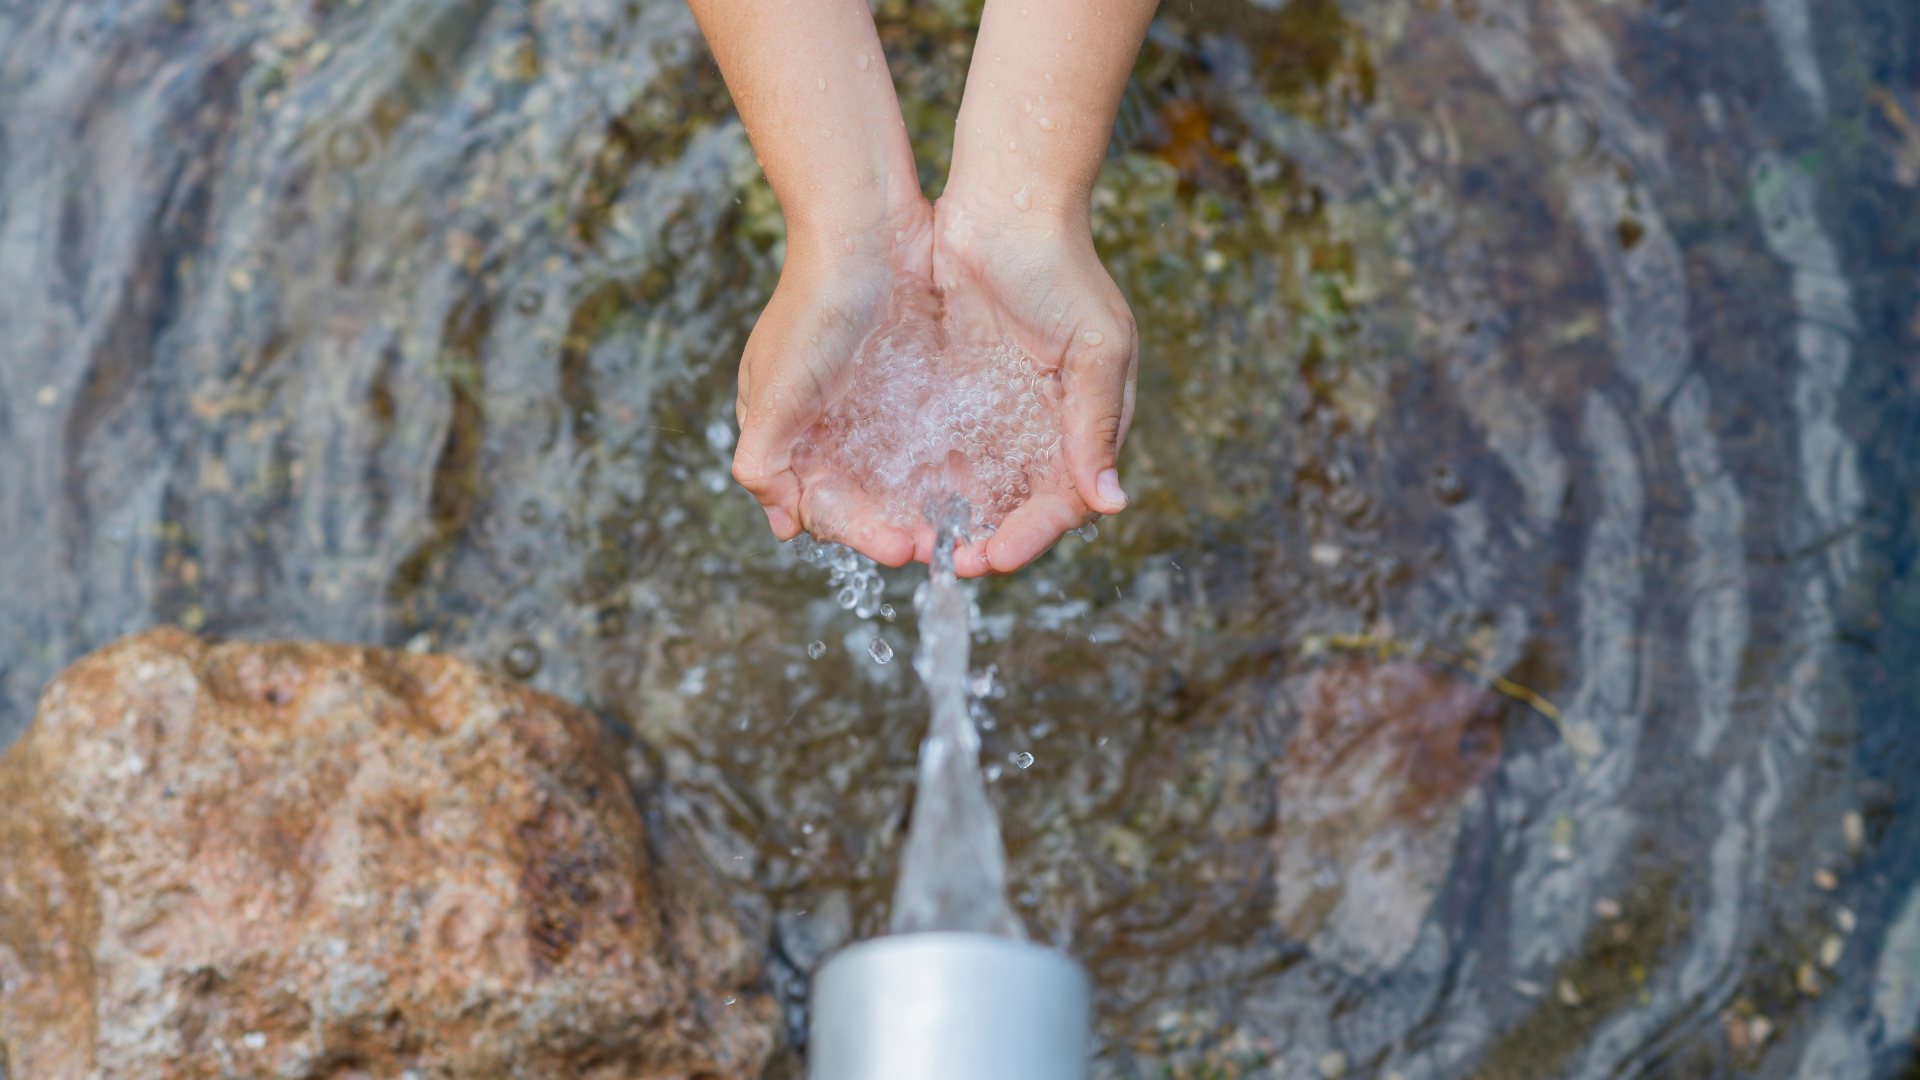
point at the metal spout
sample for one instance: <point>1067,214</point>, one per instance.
<point>949,1006</point>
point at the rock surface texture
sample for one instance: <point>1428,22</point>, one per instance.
<point>323,861</point>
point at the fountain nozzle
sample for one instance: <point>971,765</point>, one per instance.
<point>944,1005</point>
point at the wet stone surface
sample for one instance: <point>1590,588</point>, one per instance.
<point>1539,371</point>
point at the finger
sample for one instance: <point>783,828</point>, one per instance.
<point>1033,528</point>
<point>923,543</point>
<point>839,511</point>
<point>970,559</point>
<point>1097,383</point>
<point>769,477</point>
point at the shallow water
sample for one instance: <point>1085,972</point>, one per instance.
<point>1506,668</point>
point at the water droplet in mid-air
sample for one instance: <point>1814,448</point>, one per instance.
<point>528,301</point>
<point>349,147</point>
<point>881,651</point>
<point>886,612</point>
<point>1022,759</point>
<point>523,659</point>
<point>816,649</point>
<point>1448,486</point>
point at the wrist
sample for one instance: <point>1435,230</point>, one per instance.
<point>1008,172</point>
<point>867,224</point>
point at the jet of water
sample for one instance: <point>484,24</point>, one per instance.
<point>953,875</point>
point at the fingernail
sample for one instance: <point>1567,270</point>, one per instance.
<point>1108,484</point>
<point>779,519</point>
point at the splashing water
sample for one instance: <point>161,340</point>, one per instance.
<point>923,411</point>
<point>953,874</point>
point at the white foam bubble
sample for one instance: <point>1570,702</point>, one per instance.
<point>927,413</point>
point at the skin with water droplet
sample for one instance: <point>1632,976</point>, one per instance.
<point>1023,200</point>
<point>819,84</point>
<point>1045,123</point>
<point>1092,337</point>
<point>864,61</point>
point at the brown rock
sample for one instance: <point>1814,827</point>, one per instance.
<point>322,861</point>
<point>1370,798</point>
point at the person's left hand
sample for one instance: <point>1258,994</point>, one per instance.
<point>1008,274</point>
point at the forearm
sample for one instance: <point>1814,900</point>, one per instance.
<point>812,88</point>
<point>1041,95</point>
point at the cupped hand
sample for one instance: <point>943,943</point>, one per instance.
<point>1013,273</point>
<point>833,293</point>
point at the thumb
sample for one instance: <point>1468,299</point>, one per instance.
<point>1097,380</point>
<point>763,464</point>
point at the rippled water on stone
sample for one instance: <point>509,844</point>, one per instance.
<point>1505,669</point>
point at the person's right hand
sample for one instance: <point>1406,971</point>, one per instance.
<point>833,293</point>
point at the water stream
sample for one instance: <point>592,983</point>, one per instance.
<point>953,870</point>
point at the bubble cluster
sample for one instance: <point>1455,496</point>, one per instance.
<point>925,414</point>
<point>855,579</point>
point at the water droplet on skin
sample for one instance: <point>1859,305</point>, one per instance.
<point>1069,35</point>
<point>1088,532</point>
<point>1022,759</point>
<point>1092,337</point>
<point>1044,123</point>
<point>826,133</point>
<point>1023,13</point>
<point>523,659</point>
<point>816,649</point>
<point>1012,147</point>
<point>1023,200</point>
<point>819,84</point>
<point>880,651</point>
<point>863,61</point>
<point>848,245</point>
<point>1027,107</point>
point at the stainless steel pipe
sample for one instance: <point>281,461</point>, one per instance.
<point>949,1006</point>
